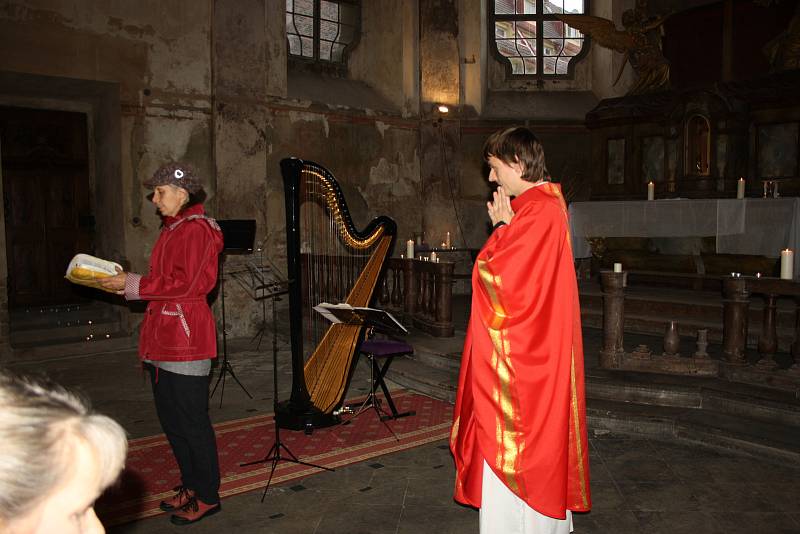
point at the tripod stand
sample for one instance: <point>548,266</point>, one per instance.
<point>274,455</point>
<point>225,366</point>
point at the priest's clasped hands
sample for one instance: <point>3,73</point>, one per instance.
<point>499,208</point>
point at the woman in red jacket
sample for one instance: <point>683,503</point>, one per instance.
<point>178,335</point>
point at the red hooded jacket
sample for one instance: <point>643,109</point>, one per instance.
<point>178,324</point>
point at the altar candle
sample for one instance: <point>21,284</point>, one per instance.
<point>433,256</point>
<point>651,191</point>
<point>410,249</point>
<point>617,267</point>
<point>447,240</point>
<point>740,188</point>
<point>787,264</point>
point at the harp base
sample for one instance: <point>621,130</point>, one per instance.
<point>305,417</point>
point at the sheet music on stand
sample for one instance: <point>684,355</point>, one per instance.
<point>261,280</point>
<point>380,320</point>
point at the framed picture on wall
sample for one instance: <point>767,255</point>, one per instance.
<point>777,150</point>
<point>653,159</point>
<point>615,161</point>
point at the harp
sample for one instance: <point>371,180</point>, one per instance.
<point>328,261</point>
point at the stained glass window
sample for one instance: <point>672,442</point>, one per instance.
<point>322,30</point>
<point>532,41</point>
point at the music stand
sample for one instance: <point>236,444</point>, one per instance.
<point>238,236</point>
<point>254,278</point>
<point>273,287</point>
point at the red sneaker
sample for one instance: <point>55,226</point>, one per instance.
<point>193,511</point>
<point>178,500</point>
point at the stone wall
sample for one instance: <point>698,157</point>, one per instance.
<point>208,82</point>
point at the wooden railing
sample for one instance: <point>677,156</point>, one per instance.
<point>422,291</point>
<point>737,292</point>
<point>417,290</point>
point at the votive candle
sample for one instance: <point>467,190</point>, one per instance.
<point>617,267</point>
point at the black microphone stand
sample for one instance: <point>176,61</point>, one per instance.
<point>274,455</point>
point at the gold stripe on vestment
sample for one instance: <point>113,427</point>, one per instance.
<point>578,443</point>
<point>489,282</point>
<point>509,449</point>
<point>454,431</point>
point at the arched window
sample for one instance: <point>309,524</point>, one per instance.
<point>531,41</point>
<point>322,30</point>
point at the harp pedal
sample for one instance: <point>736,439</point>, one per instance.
<point>344,410</point>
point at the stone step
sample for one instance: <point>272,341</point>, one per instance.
<point>707,427</point>
<point>39,317</point>
<point>434,382</point>
<point>62,348</point>
<point>449,361</point>
<point>96,328</point>
<point>745,401</point>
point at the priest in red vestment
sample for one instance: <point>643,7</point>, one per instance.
<point>520,410</point>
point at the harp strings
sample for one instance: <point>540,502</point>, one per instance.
<point>330,262</point>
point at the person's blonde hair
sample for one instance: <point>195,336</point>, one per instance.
<point>40,424</point>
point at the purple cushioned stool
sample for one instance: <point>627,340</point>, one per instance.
<point>385,349</point>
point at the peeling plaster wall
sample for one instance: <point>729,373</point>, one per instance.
<point>378,59</point>
<point>207,82</point>
<point>439,55</point>
<point>156,55</point>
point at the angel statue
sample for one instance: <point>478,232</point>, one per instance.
<point>783,52</point>
<point>640,42</point>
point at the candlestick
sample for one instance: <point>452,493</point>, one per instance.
<point>651,191</point>
<point>447,240</point>
<point>617,267</point>
<point>740,188</point>
<point>410,249</point>
<point>787,264</point>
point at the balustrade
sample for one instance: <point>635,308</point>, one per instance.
<point>737,292</point>
<point>422,291</point>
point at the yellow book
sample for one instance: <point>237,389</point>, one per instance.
<point>86,270</point>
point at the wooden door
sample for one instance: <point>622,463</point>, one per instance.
<point>46,201</point>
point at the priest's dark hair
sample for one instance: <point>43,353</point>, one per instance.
<point>518,144</point>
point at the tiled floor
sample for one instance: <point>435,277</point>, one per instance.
<point>638,485</point>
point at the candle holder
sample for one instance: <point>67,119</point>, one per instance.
<point>671,339</point>
<point>702,343</point>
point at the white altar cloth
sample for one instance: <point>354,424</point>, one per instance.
<point>760,226</point>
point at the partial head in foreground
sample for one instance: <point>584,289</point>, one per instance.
<point>56,457</point>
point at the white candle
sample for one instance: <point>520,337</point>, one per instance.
<point>617,267</point>
<point>787,264</point>
<point>447,240</point>
<point>410,249</point>
<point>433,256</point>
<point>740,188</point>
<point>651,191</point>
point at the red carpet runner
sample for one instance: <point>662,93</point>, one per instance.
<point>151,472</point>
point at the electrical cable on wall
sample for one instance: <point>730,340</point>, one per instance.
<point>450,183</point>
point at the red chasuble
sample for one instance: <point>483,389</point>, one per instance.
<point>520,402</point>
